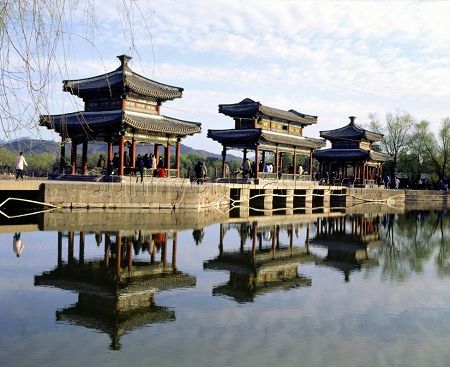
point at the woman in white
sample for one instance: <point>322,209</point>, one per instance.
<point>20,161</point>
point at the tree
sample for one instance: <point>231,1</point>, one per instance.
<point>433,151</point>
<point>397,135</point>
<point>36,39</point>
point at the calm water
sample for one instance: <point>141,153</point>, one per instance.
<point>368,290</point>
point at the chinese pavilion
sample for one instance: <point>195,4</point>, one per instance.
<point>266,129</point>
<point>122,108</point>
<point>351,155</point>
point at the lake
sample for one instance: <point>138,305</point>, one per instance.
<point>341,290</point>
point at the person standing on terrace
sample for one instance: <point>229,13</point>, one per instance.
<point>20,161</point>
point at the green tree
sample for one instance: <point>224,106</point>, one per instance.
<point>396,129</point>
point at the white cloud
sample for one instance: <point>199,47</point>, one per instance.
<point>332,59</point>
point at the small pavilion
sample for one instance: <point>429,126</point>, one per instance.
<point>266,129</point>
<point>122,108</point>
<point>351,156</point>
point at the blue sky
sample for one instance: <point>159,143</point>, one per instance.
<point>330,59</point>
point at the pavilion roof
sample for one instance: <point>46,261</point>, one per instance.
<point>248,108</point>
<point>96,123</point>
<point>247,138</point>
<point>121,80</point>
<point>351,154</point>
<point>351,132</point>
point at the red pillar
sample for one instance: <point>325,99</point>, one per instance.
<point>133,153</point>
<point>178,157</point>
<point>84,160</point>
<point>73,158</point>
<point>110,152</point>
<point>121,151</point>
<point>168,159</point>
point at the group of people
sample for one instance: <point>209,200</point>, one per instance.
<point>142,162</point>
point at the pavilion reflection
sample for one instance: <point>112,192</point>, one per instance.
<point>347,240</point>
<point>265,267</point>
<point>116,293</point>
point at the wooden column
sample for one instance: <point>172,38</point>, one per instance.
<point>84,160</point>
<point>178,157</point>
<point>256,161</point>
<point>168,158</point>
<point>62,158</point>
<point>245,154</point>
<point>133,153</point>
<point>311,165</point>
<point>73,158</point>
<point>294,161</point>
<point>224,154</point>
<point>121,153</point>
<point>277,161</point>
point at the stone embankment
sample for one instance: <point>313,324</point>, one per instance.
<point>264,198</point>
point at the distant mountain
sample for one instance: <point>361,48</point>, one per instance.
<point>34,146</point>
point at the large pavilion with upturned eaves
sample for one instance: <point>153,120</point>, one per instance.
<point>122,108</point>
<point>351,157</point>
<point>266,129</point>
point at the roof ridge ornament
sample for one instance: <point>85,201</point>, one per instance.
<point>352,120</point>
<point>124,61</point>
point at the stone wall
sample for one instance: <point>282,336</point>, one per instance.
<point>173,194</point>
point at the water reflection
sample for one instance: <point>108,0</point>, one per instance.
<point>116,293</point>
<point>348,240</point>
<point>265,267</point>
<point>411,240</point>
<point>270,266</point>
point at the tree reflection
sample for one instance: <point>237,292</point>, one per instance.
<point>411,240</point>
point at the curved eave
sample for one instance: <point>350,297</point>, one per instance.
<point>161,124</point>
<point>244,109</point>
<point>246,138</point>
<point>292,141</point>
<point>289,116</point>
<point>350,154</point>
<point>87,123</point>
<point>341,154</point>
<point>81,122</point>
<point>248,108</point>
<point>350,132</point>
<point>120,80</point>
